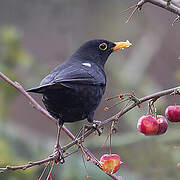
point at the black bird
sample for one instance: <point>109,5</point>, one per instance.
<point>73,90</point>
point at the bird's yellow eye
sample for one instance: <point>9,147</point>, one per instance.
<point>103,46</point>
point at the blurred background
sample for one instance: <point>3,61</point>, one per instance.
<point>36,36</point>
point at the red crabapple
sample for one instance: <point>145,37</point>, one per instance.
<point>110,163</point>
<point>173,113</point>
<point>148,125</point>
<point>163,124</point>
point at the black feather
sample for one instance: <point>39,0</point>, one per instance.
<point>73,90</point>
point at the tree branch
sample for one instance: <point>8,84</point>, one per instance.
<point>87,133</point>
<point>43,111</point>
<point>163,4</point>
<point>121,113</point>
<point>160,3</point>
<point>30,164</point>
<point>35,163</point>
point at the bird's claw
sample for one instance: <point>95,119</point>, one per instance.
<point>58,153</point>
<point>96,125</point>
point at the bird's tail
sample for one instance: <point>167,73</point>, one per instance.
<point>39,89</point>
<point>42,88</point>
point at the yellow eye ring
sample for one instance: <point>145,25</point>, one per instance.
<point>103,46</point>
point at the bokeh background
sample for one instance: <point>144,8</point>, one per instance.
<point>36,36</point>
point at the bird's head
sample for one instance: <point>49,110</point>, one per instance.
<point>98,50</point>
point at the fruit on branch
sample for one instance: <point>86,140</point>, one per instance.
<point>163,124</point>
<point>110,163</point>
<point>173,113</point>
<point>148,125</point>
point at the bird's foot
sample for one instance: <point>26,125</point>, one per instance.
<point>82,132</point>
<point>58,153</point>
<point>96,125</point>
<point>86,128</point>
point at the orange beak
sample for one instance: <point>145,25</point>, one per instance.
<point>121,45</point>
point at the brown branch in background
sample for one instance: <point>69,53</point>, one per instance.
<point>44,170</point>
<point>168,6</point>
<point>50,170</point>
<point>160,3</point>
<point>35,163</point>
<point>133,12</point>
<point>129,8</point>
<point>52,159</point>
<point>30,164</point>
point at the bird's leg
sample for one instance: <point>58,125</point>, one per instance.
<point>85,127</point>
<point>58,136</point>
<point>57,148</point>
<point>88,127</point>
<point>96,124</point>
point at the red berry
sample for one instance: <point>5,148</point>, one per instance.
<point>173,113</point>
<point>163,124</point>
<point>110,163</point>
<point>148,125</point>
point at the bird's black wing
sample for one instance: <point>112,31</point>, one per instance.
<point>80,74</point>
<point>76,73</point>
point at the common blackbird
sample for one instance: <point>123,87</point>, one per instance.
<point>73,90</point>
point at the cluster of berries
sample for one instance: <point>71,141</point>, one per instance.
<point>148,125</point>
<point>157,124</point>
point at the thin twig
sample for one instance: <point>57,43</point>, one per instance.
<point>129,8</point>
<point>50,171</point>
<point>26,166</point>
<point>82,154</point>
<point>133,12</point>
<point>176,20</point>
<point>44,170</point>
